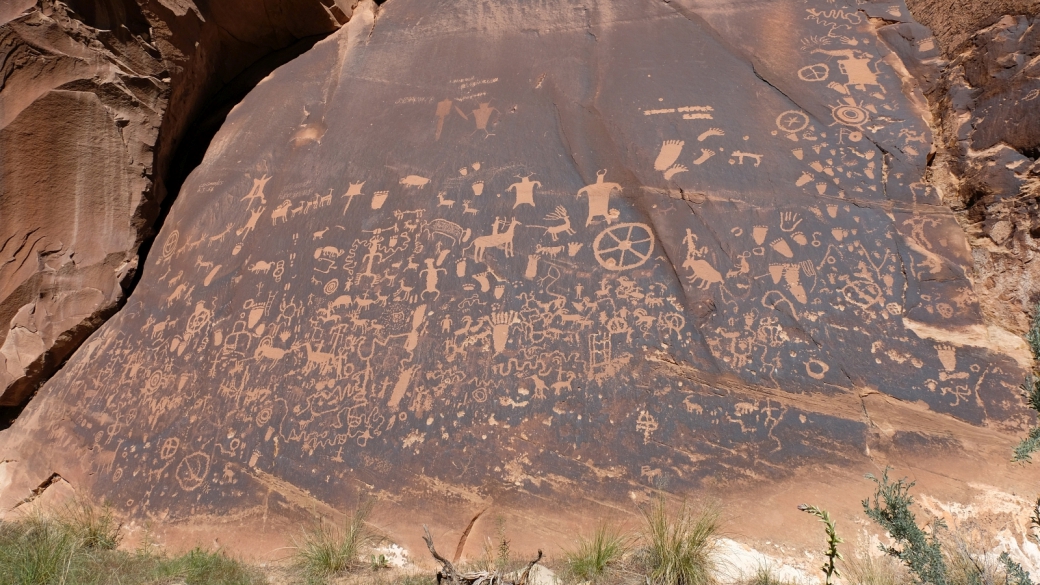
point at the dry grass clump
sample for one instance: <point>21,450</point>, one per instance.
<point>764,575</point>
<point>862,568</point>
<point>595,557</point>
<point>328,550</point>
<point>679,545</point>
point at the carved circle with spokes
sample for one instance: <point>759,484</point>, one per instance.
<point>624,246</point>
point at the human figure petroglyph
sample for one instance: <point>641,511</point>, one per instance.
<point>431,277</point>
<point>524,191</point>
<point>704,274</point>
<point>443,111</point>
<point>856,66</point>
<point>370,257</point>
<point>599,198</point>
<point>482,115</point>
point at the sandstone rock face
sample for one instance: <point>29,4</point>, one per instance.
<point>955,21</point>
<point>94,99</point>
<point>988,112</point>
<point>530,251</point>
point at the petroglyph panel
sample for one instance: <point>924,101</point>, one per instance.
<point>643,255</point>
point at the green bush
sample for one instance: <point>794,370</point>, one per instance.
<point>921,553</point>
<point>1031,390</point>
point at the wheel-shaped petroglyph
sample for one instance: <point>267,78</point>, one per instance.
<point>624,246</point>
<point>817,72</point>
<point>170,245</point>
<point>792,121</point>
<point>192,471</point>
<point>169,448</point>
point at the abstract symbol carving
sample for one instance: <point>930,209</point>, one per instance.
<point>192,471</point>
<point>850,115</point>
<point>817,72</point>
<point>792,121</point>
<point>624,246</point>
<point>170,245</point>
<point>816,369</point>
<point>169,448</point>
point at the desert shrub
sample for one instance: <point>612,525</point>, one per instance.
<point>328,550</point>
<point>1031,390</point>
<point>1015,574</point>
<point>594,556</point>
<point>679,546</point>
<point>497,554</point>
<point>919,551</point>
